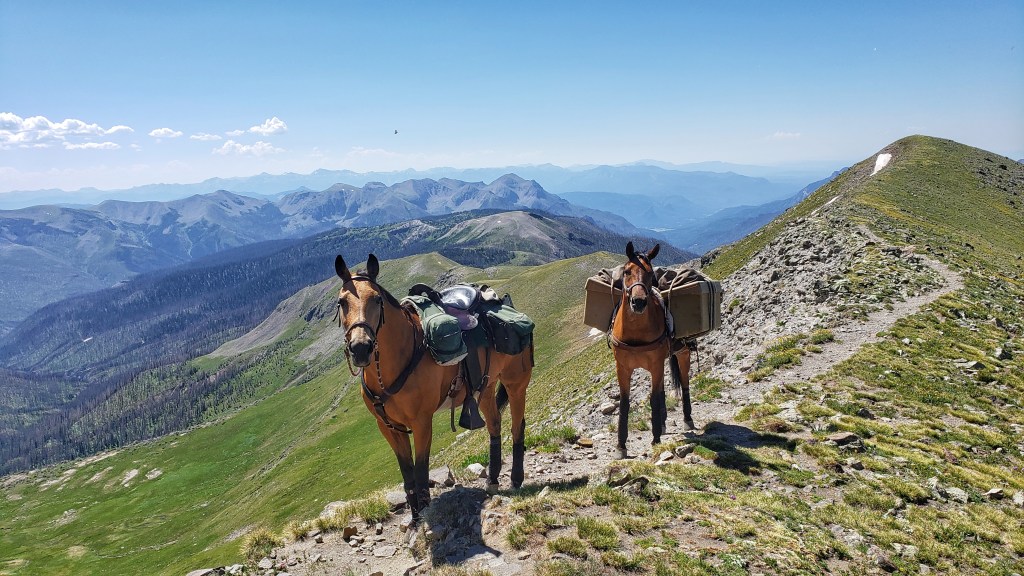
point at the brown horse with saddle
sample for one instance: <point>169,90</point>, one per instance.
<point>403,385</point>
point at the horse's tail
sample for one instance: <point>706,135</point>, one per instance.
<point>501,397</point>
<point>677,375</point>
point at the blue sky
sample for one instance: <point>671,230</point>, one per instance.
<point>115,94</point>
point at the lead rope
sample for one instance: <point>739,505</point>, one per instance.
<point>692,345</point>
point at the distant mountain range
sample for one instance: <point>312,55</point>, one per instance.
<point>731,224</point>
<point>52,252</point>
<point>182,309</point>
<point>76,351</point>
<point>629,178</point>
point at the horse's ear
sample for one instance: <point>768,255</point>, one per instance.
<point>342,270</point>
<point>653,252</point>
<point>630,252</point>
<point>372,267</point>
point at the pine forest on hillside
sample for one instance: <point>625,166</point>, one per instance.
<point>860,410</point>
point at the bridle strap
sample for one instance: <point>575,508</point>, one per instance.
<point>640,283</point>
<point>660,342</point>
<point>386,392</point>
<point>396,386</point>
<point>611,340</point>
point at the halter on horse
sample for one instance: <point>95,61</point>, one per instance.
<point>403,387</point>
<point>640,339</point>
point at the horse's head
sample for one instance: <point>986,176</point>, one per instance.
<point>360,308</point>
<point>638,277</point>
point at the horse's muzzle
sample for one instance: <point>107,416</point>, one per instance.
<point>360,352</point>
<point>638,305</point>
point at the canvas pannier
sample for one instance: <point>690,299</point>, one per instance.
<point>600,302</point>
<point>695,307</point>
<point>511,330</point>
<point>693,301</point>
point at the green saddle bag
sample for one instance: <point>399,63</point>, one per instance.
<point>511,330</point>
<point>441,332</point>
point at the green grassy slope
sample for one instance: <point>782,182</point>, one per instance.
<point>920,408</point>
<point>927,416</point>
<point>279,460</point>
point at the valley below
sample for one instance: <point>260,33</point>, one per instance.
<point>858,412</point>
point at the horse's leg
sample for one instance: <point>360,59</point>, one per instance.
<point>403,451</point>
<point>623,374</point>
<point>422,434</point>
<point>515,385</point>
<point>682,359</point>
<point>659,414</point>
<point>492,417</point>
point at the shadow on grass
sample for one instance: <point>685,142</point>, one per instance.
<point>726,439</point>
<point>456,519</point>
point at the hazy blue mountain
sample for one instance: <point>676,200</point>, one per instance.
<point>709,191</point>
<point>784,174</point>
<point>50,252</point>
<point>377,203</point>
<point>651,212</point>
<point>731,224</point>
<point>553,178</point>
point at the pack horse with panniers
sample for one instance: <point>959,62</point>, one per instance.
<point>651,315</point>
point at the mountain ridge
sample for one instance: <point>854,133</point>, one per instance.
<point>55,252</point>
<point>100,341</point>
<point>901,458</point>
<point>271,185</point>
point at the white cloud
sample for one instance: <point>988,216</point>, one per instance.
<point>165,133</point>
<point>9,121</point>
<point>270,126</point>
<point>257,149</point>
<point>41,132</point>
<point>781,136</point>
<point>119,128</point>
<point>92,146</point>
<point>204,137</point>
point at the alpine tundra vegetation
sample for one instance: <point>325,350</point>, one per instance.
<point>859,411</point>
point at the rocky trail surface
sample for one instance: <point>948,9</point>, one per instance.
<point>798,283</point>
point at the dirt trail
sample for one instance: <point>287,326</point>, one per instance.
<point>469,528</point>
<point>850,337</point>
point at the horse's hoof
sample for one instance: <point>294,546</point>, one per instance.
<point>492,489</point>
<point>689,424</point>
<point>622,453</point>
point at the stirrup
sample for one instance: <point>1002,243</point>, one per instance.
<point>470,418</point>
